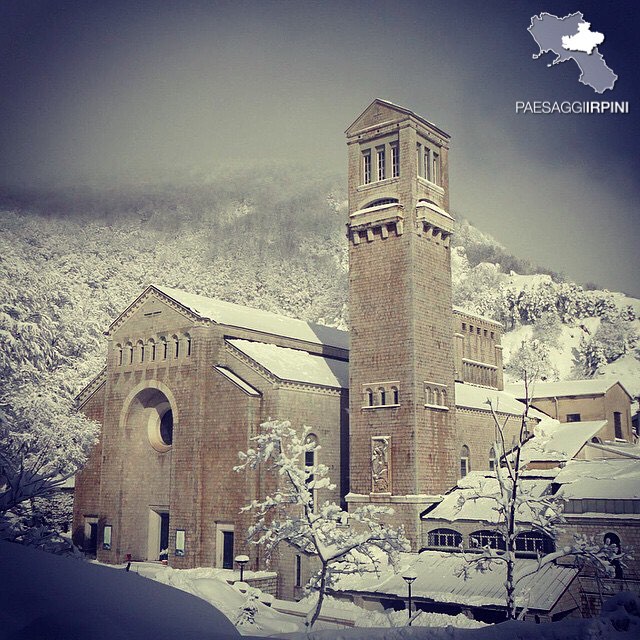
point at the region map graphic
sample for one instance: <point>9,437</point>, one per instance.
<point>571,38</point>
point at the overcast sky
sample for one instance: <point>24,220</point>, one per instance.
<point>144,90</point>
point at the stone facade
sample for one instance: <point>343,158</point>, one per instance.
<point>189,380</point>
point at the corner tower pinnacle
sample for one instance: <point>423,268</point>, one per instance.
<point>402,397</point>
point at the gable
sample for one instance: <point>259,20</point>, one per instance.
<point>381,112</point>
<point>149,315</point>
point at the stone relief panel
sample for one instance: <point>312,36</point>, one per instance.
<point>381,464</point>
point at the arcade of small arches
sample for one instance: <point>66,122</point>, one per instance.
<point>381,394</point>
<point>152,350</point>
<point>527,543</point>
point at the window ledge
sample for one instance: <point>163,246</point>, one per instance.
<point>436,187</point>
<point>381,406</point>
<point>376,183</point>
<point>436,406</point>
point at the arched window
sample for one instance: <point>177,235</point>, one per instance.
<point>380,202</point>
<point>487,538</point>
<point>465,461</point>
<point>176,346</point>
<point>187,339</point>
<point>613,541</point>
<point>534,542</point>
<point>369,399</point>
<point>429,395</point>
<point>492,459</point>
<point>436,396</point>
<point>444,538</point>
<point>164,348</point>
<point>129,353</point>
<point>383,396</point>
<point>152,349</point>
<point>396,395</point>
<point>120,354</point>
<point>140,347</point>
<point>443,397</point>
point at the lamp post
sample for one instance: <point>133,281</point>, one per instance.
<point>242,560</point>
<point>409,577</point>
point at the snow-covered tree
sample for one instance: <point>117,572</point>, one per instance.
<point>532,360</point>
<point>518,504</point>
<point>343,543</point>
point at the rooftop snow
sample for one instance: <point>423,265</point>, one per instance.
<point>594,386</point>
<point>236,315</point>
<point>295,365</point>
<point>472,397</point>
<point>438,579</point>
<point>462,502</point>
<point>560,441</point>
<point>600,479</point>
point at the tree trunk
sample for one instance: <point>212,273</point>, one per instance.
<point>323,586</point>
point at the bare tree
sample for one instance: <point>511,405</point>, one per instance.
<point>519,505</point>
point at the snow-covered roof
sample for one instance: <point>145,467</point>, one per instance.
<point>438,579</point>
<point>556,441</point>
<point>295,365</point>
<point>238,381</point>
<point>236,315</point>
<point>593,386</point>
<point>463,503</point>
<point>600,479</point>
<point>472,397</point>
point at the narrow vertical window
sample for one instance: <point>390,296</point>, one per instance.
<point>380,156</point>
<point>310,462</point>
<point>492,459</point>
<point>435,173</point>
<point>366,167</point>
<point>396,395</point>
<point>369,398</point>
<point>383,396</point>
<point>188,339</point>
<point>298,571</point>
<point>419,165</point>
<point>130,349</point>
<point>427,164</point>
<point>120,356</point>
<point>395,160</point>
<point>153,350</point>
<point>617,424</point>
<point>164,348</point>
<point>465,461</point>
<point>176,346</point>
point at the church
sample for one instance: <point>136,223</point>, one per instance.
<point>398,405</point>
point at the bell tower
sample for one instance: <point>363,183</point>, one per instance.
<point>402,395</point>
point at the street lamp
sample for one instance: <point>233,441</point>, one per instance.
<point>409,577</point>
<point>242,560</point>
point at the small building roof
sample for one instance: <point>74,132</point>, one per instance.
<point>469,396</point>
<point>474,499</point>
<point>617,479</point>
<point>590,387</point>
<point>295,365</point>
<point>557,442</point>
<point>461,311</point>
<point>438,579</point>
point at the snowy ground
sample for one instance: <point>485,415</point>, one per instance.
<point>48,597</point>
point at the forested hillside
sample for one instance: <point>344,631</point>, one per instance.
<point>70,262</point>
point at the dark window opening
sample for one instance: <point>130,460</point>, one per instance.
<point>617,424</point>
<point>227,549</point>
<point>166,428</point>
<point>298,576</point>
<point>573,417</point>
<point>164,536</point>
